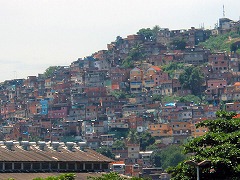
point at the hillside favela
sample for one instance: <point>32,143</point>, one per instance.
<point>156,104</point>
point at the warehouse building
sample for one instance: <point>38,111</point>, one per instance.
<point>28,156</point>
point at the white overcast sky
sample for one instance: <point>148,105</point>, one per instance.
<point>35,34</point>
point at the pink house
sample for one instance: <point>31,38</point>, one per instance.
<point>216,83</point>
<point>219,61</point>
<point>57,112</point>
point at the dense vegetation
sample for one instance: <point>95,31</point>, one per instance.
<point>114,176</point>
<point>50,71</point>
<point>136,54</point>
<point>220,146</point>
<point>187,98</point>
<point>172,68</point>
<point>149,34</point>
<point>106,151</point>
<point>221,42</point>
<point>177,44</point>
<point>169,156</point>
<point>192,78</point>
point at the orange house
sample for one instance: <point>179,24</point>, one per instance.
<point>160,130</point>
<point>196,132</point>
<point>181,128</point>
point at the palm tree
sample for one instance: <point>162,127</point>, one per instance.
<point>133,137</point>
<point>136,53</point>
<point>156,29</point>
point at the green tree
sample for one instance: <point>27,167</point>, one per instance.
<point>136,53</point>
<point>149,34</point>
<point>133,137</point>
<point>171,68</point>
<point>233,47</point>
<point>118,94</point>
<point>157,97</point>
<point>222,42</point>
<point>128,62</point>
<point>170,99</point>
<point>178,44</point>
<point>119,144</point>
<point>106,151</point>
<point>111,175</point>
<point>170,156</point>
<point>220,145</point>
<point>192,78</point>
<point>190,98</point>
<point>119,40</point>
<point>187,98</point>
<point>146,34</point>
<point>67,176</point>
<point>156,29</point>
<point>146,140</point>
<point>114,176</point>
<point>50,71</point>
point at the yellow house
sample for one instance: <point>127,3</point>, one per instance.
<point>136,78</point>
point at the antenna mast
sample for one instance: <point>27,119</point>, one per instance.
<point>223,12</point>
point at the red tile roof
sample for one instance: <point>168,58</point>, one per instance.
<point>156,68</point>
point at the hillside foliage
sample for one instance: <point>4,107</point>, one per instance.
<point>220,146</point>
<point>221,42</point>
<point>169,156</point>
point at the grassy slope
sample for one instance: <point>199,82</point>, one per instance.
<point>221,42</point>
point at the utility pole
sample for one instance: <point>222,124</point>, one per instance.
<point>197,165</point>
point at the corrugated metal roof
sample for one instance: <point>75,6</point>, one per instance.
<point>48,154</point>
